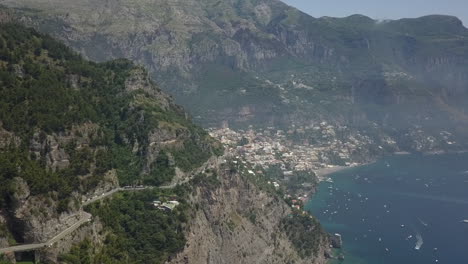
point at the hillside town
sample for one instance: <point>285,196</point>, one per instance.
<point>295,159</point>
<point>293,150</point>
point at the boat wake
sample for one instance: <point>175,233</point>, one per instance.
<point>422,222</point>
<point>419,242</point>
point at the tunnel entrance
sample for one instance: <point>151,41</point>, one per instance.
<point>25,257</point>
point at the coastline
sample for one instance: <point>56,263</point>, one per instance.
<point>442,152</point>
<point>402,153</point>
<point>324,172</point>
<point>426,169</point>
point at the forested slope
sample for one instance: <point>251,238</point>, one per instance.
<point>71,129</point>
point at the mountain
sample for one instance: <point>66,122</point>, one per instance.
<point>263,63</point>
<point>71,129</point>
<point>86,151</point>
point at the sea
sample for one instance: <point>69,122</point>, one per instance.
<point>403,209</point>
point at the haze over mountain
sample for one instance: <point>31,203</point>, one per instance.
<point>102,138</point>
<point>381,9</point>
<point>263,63</point>
<point>355,87</point>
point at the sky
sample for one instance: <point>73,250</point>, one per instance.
<point>383,9</point>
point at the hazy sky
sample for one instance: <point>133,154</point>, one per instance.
<point>383,9</point>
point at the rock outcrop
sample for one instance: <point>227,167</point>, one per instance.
<point>236,222</point>
<point>72,130</point>
<point>263,63</point>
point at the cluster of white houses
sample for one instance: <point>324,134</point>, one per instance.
<point>270,147</point>
<point>166,206</point>
<point>275,147</point>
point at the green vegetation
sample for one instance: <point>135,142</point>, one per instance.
<point>259,180</point>
<point>303,230</point>
<point>46,88</point>
<point>18,262</point>
<point>305,233</point>
<point>337,69</point>
<point>191,156</point>
<point>162,172</point>
<point>210,178</point>
<point>293,182</point>
<point>136,231</point>
<point>27,258</point>
<point>222,86</point>
<point>36,70</point>
<point>48,92</point>
<point>301,178</point>
<point>5,233</point>
<point>15,163</point>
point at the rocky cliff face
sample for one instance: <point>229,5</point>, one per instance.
<point>231,221</point>
<point>118,128</point>
<point>238,61</point>
<point>236,222</point>
<point>221,58</point>
<point>111,126</point>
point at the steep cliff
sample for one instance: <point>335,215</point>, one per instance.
<point>224,216</point>
<point>72,129</point>
<point>264,63</point>
<point>237,222</point>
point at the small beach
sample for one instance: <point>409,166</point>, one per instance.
<point>324,172</point>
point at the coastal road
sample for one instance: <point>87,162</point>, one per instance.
<point>100,197</point>
<point>125,189</point>
<point>22,248</point>
<point>212,162</point>
<point>86,217</point>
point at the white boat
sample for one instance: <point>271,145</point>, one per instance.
<point>465,221</point>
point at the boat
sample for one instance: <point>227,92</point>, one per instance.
<point>465,221</point>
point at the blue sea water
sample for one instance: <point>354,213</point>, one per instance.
<point>383,209</point>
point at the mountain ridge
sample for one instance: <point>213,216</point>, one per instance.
<point>263,63</point>
<point>73,129</point>
<point>77,136</point>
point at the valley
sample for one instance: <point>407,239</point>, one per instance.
<point>236,109</point>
